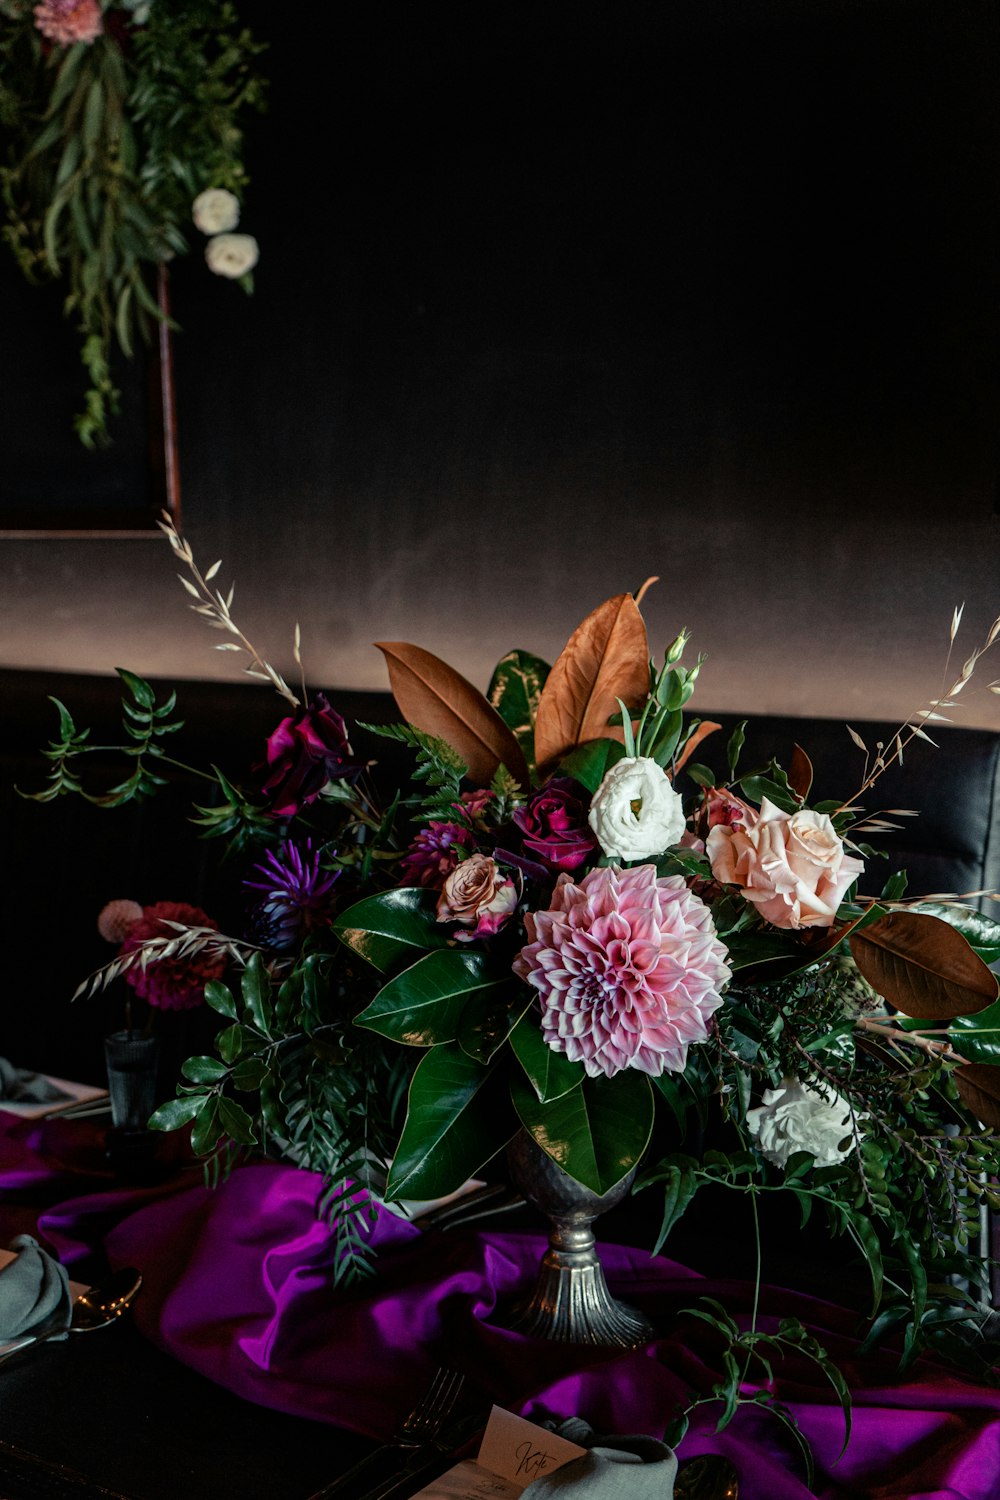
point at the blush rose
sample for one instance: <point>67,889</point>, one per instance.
<point>479,896</point>
<point>791,866</point>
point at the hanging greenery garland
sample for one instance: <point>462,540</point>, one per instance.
<point>123,128</point>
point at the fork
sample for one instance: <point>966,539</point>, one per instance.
<point>406,1446</point>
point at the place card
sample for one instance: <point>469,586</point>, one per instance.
<point>512,1453</point>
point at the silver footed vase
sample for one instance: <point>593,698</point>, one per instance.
<point>571,1302</point>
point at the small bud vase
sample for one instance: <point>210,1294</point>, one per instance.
<point>571,1302</point>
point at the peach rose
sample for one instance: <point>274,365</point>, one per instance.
<point>792,866</point>
<point>478,896</point>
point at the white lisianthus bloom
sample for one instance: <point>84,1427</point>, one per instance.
<point>796,1117</point>
<point>635,811</point>
<point>215,211</point>
<point>232,255</point>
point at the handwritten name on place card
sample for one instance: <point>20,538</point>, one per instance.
<point>513,1452</point>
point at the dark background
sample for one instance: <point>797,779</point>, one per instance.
<point>550,300</point>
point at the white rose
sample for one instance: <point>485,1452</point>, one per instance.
<point>799,1118</point>
<point>216,210</point>
<point>635,812</point>
<point>232,255</point>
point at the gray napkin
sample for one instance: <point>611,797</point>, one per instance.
<point>34,1293</point>
<point>26,1087</point>
<point>613,1468</point>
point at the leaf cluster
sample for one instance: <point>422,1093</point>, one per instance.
<point>107,144</point>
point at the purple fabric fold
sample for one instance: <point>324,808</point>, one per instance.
<point>238,1284</point>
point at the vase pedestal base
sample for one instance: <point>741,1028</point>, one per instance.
<point>571,1302</point>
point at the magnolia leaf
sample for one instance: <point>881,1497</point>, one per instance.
<point>597,1132</point>
<point>977,1037</point>
<point>694,739</point>
<point>979,1087</point>
<point>423,1006</point>
<point>589,764</point>
<point>455,1123</point>
<point>922,966</point>
<point>800,773</point>
<point>391,927</point>
<point>981,932</point>
<point>514,692</point>
<point>437,700</point>
<point>551,1073</point>
<point>606,658</point>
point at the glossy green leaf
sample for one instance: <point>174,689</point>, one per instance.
<point>514,691</point>
<point>392,928</point>
<point>250,1074</point>
<point>977,1037</point>
<point>588,764</point>
<point>236,1122</point>
<point>457,1120</point>
<point>551,1073</point>
<point>423,1006</point>
<point>177,1112</point>
<point>598,1132</point>
<point>236,1040</point>
<point>488,1020</point>
<point>256,988</point>
<point>207,1128</point>
<point>203,1069</point>
<point>220,998</point>
<point>680,1184</point>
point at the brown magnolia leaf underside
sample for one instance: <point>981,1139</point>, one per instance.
<point>705,728</point>
<point>437,700</point>
<point>606,658</point>
<point>800,773</point>
<point>978,1085</point>
<point>923,967</point>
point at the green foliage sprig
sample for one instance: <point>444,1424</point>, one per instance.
<point>108,142</point>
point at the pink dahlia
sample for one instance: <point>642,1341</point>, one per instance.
<point>437,849</point>
<point>69,21</point>
<point>177,982</point>
<point>628,967</point>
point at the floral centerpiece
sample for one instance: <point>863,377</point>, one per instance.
<point>565,921</point>
<point>123,127</point>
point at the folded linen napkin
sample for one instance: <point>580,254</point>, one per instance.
<point>34,1293</point>
<point>613,1468</point>
<point>27,1087</point>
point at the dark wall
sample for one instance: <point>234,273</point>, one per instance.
<point>550,300</point>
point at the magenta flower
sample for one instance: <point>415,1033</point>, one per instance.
<point>554,824</point>
<point>304,754</point>
<point>628,968</point>
<point>177,982</point>
<point>432,856</point>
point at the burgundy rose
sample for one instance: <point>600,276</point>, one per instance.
<point>554,824</point>
<point>304,754</point>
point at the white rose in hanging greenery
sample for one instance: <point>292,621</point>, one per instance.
<point>232,255</point>
<point>796,1117</point>
<point>216,211</point>
<point>635,811</point>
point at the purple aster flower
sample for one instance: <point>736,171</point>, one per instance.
<point>295,897</point>
<point>432,856</point>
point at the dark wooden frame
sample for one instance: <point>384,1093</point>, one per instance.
<point>153,372</point>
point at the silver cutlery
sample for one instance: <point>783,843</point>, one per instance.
<point>98,1307</point>
<point>412,1446</point>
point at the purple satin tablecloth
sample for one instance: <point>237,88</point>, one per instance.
<point>237,1285</point>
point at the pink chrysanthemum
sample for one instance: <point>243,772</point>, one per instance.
<point>69,21</point>
<point>177,982</point>
<point>437,849</point>
<point>628,967</point>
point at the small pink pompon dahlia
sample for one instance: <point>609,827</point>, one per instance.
<point>628,967</point>
<point>67,21</point>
